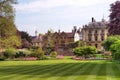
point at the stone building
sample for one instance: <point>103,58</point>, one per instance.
<point>37,40</point>
<point>62,40</point>
<point>59,41</point>
<point>94,33</point>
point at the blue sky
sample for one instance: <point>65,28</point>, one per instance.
<point>42,15</point>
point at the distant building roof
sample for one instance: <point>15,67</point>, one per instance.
<point>36,39</point>
<point>98,24</point>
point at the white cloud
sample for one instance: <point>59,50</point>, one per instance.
<point>38,5</point>
<point>42,15</point>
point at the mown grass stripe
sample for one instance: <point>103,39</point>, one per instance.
<point>64,72</point>
<point>110,72</point>
<point>101,75</point>
<point>12,71</point>
<point>53,73</point>
<point>37,71</point>
<point>26,70</point>
<point>55,70</point>
<point>92,75</point>
<point>116,71</point>
<point>81,73</point>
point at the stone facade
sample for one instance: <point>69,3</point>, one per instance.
<point>37,41</point>
<point>94,33</point>
<point>62,40</point>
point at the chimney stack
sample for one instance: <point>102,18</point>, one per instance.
<point>93,20</point>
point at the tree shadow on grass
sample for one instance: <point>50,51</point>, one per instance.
<point>61,69</point>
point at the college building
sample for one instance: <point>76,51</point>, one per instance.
<point>94,33</point>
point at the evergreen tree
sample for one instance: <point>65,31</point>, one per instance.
<point>114,25</point>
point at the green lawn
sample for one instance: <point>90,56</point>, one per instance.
<point>65,69</point>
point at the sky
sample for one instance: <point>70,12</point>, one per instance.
<point>42,15</point>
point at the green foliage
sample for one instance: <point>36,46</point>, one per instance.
<point>78,51</point>
<point>39,53</point>
<point>76,44</point>
<point>7,13</point>
<point>53,53</point>
<point>109,41</point>
<point>48,50</point>
<point>23,53</point>
<point>73,44</point>
<point>7,10</point>
<point>8,31</point>
<point>115,49</point>
<point>2,58</point>
<point>12,41</point>
<point>25,35</point>
<point>60,70</point>
<point>10,53</point>
<point>26,40</point>
<point>85,51</point>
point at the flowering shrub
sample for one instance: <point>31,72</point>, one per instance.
<point>30,58</point>
<point>60,57</point>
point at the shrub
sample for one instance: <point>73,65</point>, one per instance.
<point>39,53</point>
<point>115,49</point>
<point>109,41</point>
<point>10,53</point>
<point>19,54</point>
<point>53,54</point>
<point>78,51</point>
<point>2,58</point>
<point>85,51</point>
<point>23,53</point>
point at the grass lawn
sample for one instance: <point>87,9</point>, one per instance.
<point>65,69</point>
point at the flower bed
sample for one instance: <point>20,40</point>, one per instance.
<point>60,57</point>
<point>78,58</point>
<point>30,58</point>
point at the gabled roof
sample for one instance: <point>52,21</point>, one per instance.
<point>67,34</point>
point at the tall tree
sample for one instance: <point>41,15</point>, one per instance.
<point>114,25</point>
<point>8,31</point>
<point>26,39</point>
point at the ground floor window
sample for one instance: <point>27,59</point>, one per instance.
<point>96,45</point>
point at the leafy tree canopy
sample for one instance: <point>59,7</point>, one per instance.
<point>85,51</point>
<point>115,49</point>
<point>109,41</point>
<point>8,31</point>
<point>114,25</point>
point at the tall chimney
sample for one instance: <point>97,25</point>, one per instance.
<point>93,20</point>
